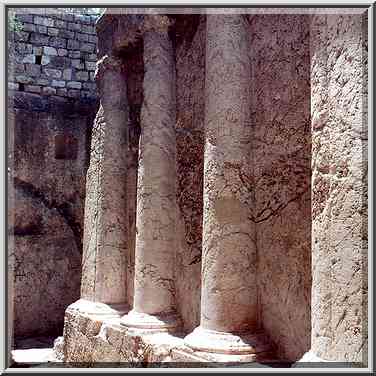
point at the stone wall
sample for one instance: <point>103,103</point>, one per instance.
<point>283,206</point>
<point>53,53</point>
<point>52,101</point>
<point>339,186</point>
<point>281,150</point>
<point>190,56</point>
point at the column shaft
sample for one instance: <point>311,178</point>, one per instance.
<point>105,228</point>
<point>339,187</point>
<point>156,193</point>
<point>229,297</point>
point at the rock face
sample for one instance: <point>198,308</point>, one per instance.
<point>48,146</point>
<point>281,172</point>
<point>258,259</point>
<point>46,211</point>
<point>339,186</point>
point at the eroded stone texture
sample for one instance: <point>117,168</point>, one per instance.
<point>45,215</point>
<point>154,290</point>
<point>44,254</point>
<point>339,179</point>
<point>190,97</point>
<point>254,75</point>
<point>106,218</point>
<point>93,333</point>
<point>134,72</point>
<point>229,253</point>
<point>281,150</point>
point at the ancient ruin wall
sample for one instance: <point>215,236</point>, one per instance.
<point>51,104</point>
<point>54,54</point>
<point>190,66</point>
<point>281,151</point>
<point>339,186</point>
<point>281,148</point>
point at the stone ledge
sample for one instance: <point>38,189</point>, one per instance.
<point>93,334</point>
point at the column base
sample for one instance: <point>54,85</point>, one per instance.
<point>99,309</point>
<point>221,342</point>
<point>145,323</point>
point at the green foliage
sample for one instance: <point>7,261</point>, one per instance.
<point>14,25</point>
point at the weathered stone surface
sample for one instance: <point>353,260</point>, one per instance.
<point>82,37</point>
<point>89,85</point>
<point>73,44</point>
<point>58,42</point>
<point>21,36</point>
<point>228,289</point>
<point>33,88</point>
<point>24,17</point>
<point>67,74</point>
<point>12,86</point>
<point>45,60</point>
<point>281,148</point>
<point>29,27</point>
<point>42,240</point>
<point>73,93</point>
<point>154,288</point>
<point>62,92</point>
<point>74,54</point>
<point>49,91</point>
<point>50,51</point>
<point>92,333</point>
<point>106,222</point>
<point>91,66</point>
<point>74,85</point>
<point>339,191</point>
<point>74,26</point>
<point>41,30</point>
<point>42,81</point>
<point>46,216</point>
<point>43,21</point>
<point>53,31</point>
<point>56,83</point>
<point>66,34</point>
<point>87,47</point>
<point>23,48</point>
<point>33,70</point>
<point>62,52</point>
<point>29,59</point>
<point>24,79</point>
<point>37,50</point>
<point>296,178</point>
<point>44,45</point>
<point>82,75</point>
<point>39,38</point>
<point>76,63</point>
<point>53,73</point>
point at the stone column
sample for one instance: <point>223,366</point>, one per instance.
<point>154,292</point>
<point>339,188</point>
<point>228,296</point>
<point>105,226</point>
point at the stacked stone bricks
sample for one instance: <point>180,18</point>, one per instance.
<point>53,54</point>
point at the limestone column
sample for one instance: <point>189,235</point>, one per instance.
<point>154,305</point>
<point>105,223</point>
<point>228,296</point>
<point>339,187</point>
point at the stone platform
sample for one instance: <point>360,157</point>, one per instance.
<point>93,335</point>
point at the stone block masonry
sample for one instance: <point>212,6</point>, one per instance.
<point>52,101</point>
<point>50,50</point>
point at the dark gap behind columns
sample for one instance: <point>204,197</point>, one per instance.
<point>132,56</point>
